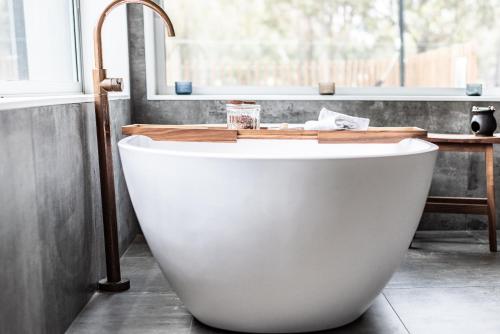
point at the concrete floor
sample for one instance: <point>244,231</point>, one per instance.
<point>448,283</point>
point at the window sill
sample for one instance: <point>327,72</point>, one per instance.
<point>341,97</point>
<point>17,102</point>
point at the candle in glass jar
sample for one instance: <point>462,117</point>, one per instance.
<point>243,115</point>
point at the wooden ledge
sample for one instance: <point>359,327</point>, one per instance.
<point>439,138</point>
<point>373,135</point>
<point>181,133</point>
<point>219,133</point>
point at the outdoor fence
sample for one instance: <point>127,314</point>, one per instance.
<point>435,68</point>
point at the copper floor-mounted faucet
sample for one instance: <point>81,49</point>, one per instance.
<point>102,86</point>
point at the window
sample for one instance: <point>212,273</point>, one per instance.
<point>274,44</point>
<point>39,47</point>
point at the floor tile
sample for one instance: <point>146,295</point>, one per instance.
<point>139,248</point>
<point>144,275</point>
<point>379,319</point>
<point>448,310</point>
<point>133,313</point>
<point>448,283</point>
<point>448,241</point>
<point>483,237</point>
<point>447,260</point>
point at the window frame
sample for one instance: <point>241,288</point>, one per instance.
<point>20,88</point>
<point>153,56</point>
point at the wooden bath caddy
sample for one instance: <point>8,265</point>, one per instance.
<point>219,133</point>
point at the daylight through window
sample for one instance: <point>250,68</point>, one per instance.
<point>356,43</point>
<point>38,43</point>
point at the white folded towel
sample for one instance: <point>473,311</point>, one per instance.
<point>331,120</point>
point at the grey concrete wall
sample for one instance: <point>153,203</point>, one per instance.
<point>51,238</point>
<point>456,174</point>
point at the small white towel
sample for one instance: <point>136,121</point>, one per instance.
<point>331,120</point>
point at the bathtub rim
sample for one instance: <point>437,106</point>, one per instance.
<point>427,147</point>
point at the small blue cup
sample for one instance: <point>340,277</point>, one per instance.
<point>183,87</point>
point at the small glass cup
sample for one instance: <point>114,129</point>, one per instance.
<point>243,115</point>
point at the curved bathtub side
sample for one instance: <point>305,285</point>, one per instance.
<point>278,245</point>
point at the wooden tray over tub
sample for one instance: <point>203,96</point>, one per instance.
<point>219,133</point>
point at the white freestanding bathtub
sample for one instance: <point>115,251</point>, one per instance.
<point>277,235</point>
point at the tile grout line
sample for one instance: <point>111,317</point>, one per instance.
<point>444,287</point>
<point>190,325</point>
<point>478,238</point>
<point>397,315</point>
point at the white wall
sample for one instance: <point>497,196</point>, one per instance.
<point>115,42</point>
<point>49,40</point>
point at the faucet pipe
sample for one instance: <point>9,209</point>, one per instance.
<point>102,85</point>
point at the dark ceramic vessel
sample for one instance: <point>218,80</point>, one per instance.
<point>483,123</point>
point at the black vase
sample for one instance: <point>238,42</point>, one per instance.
<point>483,123</point>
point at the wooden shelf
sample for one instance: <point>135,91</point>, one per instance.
<point>440,138</point>
<point>219,133</point>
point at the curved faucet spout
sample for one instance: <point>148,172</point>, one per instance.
<point>113,5</point>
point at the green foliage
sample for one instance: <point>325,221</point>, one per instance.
<point>246,33</point>
<point>436,23</point>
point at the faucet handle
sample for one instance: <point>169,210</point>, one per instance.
<point>112,84</point>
